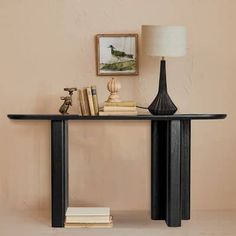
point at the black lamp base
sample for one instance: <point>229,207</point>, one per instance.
<point>162,104</point>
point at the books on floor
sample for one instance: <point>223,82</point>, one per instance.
<point>91,217</point>
<point>124,108</point>
<point>88,101</point>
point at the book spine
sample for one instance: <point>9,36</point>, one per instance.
<point>110,108</point>
<point>86,103</point>
<point>121,104</point>
<point>95,99</point>
<point>90,101</point>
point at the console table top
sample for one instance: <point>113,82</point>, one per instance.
<point>138,117</point>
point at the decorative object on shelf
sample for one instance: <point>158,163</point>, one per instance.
<point>67,101</point>
<point>114,106</point>
<point>117,54</point>
<point>163,41</point>
<point>113,87</point>
<point>65,106</point>
<point>70,90</point>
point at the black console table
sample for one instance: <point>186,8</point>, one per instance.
<point>170,162</point>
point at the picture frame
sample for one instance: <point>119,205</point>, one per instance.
<point>117,54</point>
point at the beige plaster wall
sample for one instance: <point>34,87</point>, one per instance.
<point>46,45</point>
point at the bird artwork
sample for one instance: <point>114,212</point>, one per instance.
<point>119,54</point>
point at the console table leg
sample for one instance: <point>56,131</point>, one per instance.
<point>59,172</point>
<point>185,168</point>
<point>158,169</point>
<point>173,191</point>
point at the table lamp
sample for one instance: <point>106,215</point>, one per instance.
<point>163,41</point>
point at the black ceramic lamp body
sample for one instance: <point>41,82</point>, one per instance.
<point>162,104</point>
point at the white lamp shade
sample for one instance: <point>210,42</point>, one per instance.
<point>164,41</point>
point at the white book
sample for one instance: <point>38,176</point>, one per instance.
<point>87,215</point>
<point>88,211</point>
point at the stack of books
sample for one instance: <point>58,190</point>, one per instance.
<point>88,217</point>
<point>125,108</point>
<point>88,101</point>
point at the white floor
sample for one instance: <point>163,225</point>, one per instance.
<point>203,223</point>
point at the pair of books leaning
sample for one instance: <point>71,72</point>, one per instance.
<point>88,101</point>
<point>88,217</point>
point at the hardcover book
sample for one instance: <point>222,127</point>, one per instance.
<point>121,104</point>
<point>87,219</point>
<point>89,211</point>
<point>95,99</point>
<point>116,108</point>
<point>83,97</point>
<point>90,101</point>
<point>81,101</point>
<point>88,215</point>
<point>90,225</point>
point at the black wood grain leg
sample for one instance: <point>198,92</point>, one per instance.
<point>158,169</point>
<point>173,191</point>
<point>185,168</point>
<point>59,173</point>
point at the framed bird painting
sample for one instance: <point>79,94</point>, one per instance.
<point>117,54</point>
